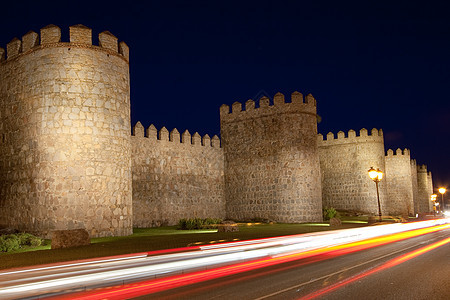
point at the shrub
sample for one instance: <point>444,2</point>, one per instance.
<point>12,242</point>
<point>9,243</point>
<point>330,212</point>
<point>24,238</point>
<point>198,223</point>
<point>35,241</point>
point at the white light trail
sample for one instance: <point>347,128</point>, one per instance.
<point>140,266</point>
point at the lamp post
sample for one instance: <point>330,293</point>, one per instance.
<point>433,199</point>
<point>376,176</point>
<point>442,191</point>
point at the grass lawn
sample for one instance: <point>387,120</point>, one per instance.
<point>149,239</point>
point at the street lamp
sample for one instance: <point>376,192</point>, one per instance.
<point>433,199</point>
<point>442,191</point>
<point>376,176</point>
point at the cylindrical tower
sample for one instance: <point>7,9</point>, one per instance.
<point>271,160</point>
<point>423,190</point>
<point>65,134</point>
<point>344,164</point>
<point>398,182</point>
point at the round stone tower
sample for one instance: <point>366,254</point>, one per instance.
<point>65,133</point>
<point>344,162</point>
<point>271,160</point>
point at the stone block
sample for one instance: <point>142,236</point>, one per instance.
<point>70,238</point>
<point>50,34</point>
<point>80,34</point>
<point>30,40</point>
<point>335,222</point>
<point>228,226</point>
<point>108,40</point>
<point>124,50</point>
<point>13,48</point>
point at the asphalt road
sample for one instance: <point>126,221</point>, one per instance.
<point>350,276</point>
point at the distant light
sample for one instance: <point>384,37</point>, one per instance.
<point>442,190</point>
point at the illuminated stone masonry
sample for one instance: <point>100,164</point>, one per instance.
<point>68,160</point>
<point>65,160</point>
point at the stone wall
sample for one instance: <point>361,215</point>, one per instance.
<point>430,190</point>
<point>415,188</point>
<point>67,157</point>
<point>175,179</point>
<point>398,182</point>
<point>423,189</point>
<point>344,162</point>
<point>65,134</point>
<point>271,160</point>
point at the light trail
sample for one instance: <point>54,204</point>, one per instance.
<point>393,262</point>
<point>241,255</point>
<point>153,286</point>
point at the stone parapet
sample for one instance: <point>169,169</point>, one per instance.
<point>50,35</point>
<point>174,136</point>
<point>351,137</point>
<point>297,104</point>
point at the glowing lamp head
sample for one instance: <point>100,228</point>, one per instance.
<point>375,175</point>
<point>380,174</point>
<point>442,190</point>
<point>433,197</point>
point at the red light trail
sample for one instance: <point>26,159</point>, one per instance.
<point>393,262</point>
<point>153,286</point>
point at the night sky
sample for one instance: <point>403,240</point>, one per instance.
<point>384,65</point>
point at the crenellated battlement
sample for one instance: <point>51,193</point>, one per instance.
<point>50,36</point>
<point>351,137</point>
<point>296,104</point>
<point>422,169</point>
<point>398,152</point>
<point>174,136</point>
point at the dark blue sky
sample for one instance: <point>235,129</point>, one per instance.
<point>380,64</point>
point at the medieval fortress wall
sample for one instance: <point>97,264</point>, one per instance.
<point>423,188</point>
<point>414,185</point>
<point>65,133</point>
<point>399,184</point>
<point>175,179</point>
<point>68,159</point>
<point>271,159</point>
<point>344,162</point>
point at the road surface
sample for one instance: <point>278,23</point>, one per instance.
<point>426,276</point>
<point>280,267</point>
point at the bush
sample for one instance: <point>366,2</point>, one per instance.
<point>24,238</point>
<point>330,212</point>
<point>35,241</point>
<point>12,242</point>
<point>198,223</point>
<point>9,243</point>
